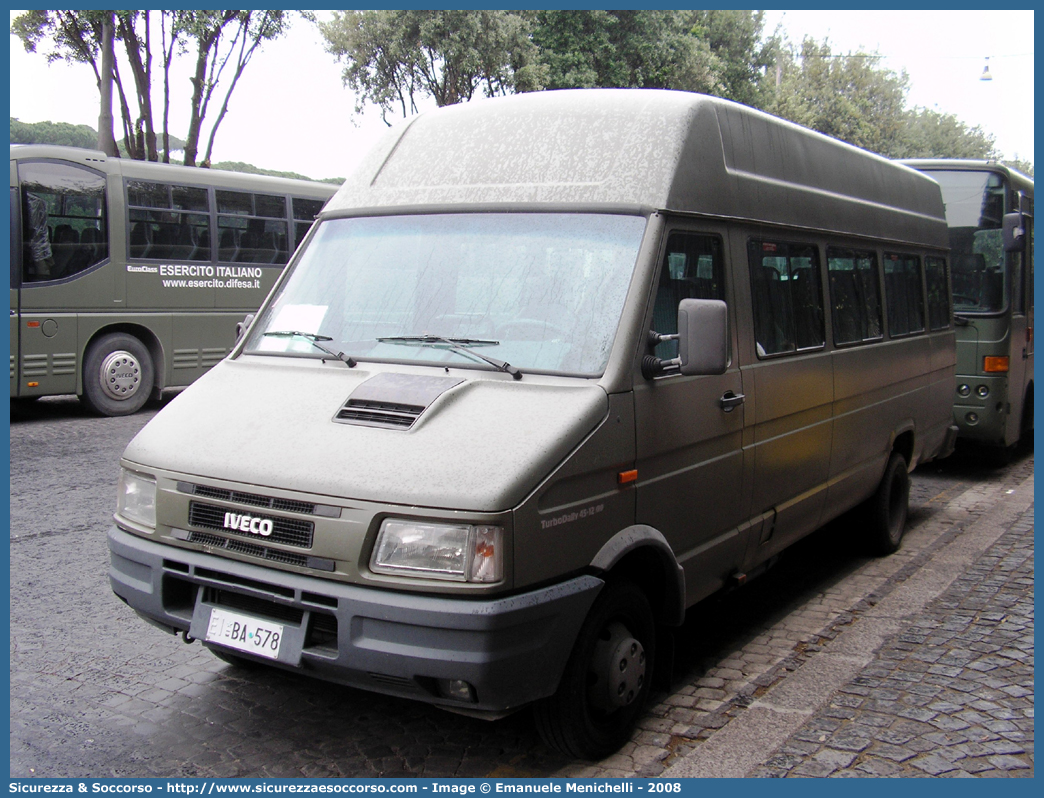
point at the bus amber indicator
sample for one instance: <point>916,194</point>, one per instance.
<point>994,364</point>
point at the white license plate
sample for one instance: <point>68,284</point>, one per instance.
<point>244,633</point>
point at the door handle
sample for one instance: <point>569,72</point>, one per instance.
<point>730,401</point>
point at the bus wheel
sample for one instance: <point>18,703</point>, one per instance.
<point>888,507</point>
<point>606,680</point>
<point>117,375</point>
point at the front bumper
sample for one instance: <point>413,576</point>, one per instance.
<point>510,650</point>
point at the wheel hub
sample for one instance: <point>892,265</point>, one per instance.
<point>120,375</point>
<point>618,669</point>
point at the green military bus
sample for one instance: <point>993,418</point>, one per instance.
<point>129,277</point>
<point>989,210</point>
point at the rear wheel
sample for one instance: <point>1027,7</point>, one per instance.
<point>117,375</point>
<point>888,508</point>
<point>606,680</point>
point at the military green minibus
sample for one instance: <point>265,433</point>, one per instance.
<point>549,370</point>
<point>129,277</point>
<point>989,210</point>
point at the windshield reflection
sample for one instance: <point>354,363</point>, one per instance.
<point>541,291</point>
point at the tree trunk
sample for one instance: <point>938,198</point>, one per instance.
<point>106,142</point>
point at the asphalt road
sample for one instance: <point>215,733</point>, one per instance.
<point>97,692</point>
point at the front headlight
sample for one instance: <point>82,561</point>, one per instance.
<point>459,552</point>
<point>136,498</point>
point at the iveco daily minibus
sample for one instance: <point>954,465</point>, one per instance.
<point>549,370</point>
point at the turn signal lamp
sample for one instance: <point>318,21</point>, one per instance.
<point>995,364</point>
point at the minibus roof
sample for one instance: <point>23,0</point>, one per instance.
<point>641,148</point>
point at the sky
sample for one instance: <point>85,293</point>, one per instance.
<point>291,111</point>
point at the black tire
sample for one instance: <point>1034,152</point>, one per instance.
<point>613,654</point>
<point>118,375</point>
<point>888,508</point>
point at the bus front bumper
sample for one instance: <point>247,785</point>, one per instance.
<point>483,657</point>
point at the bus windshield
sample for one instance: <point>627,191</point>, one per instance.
<point>541,291</point>
<point>974,213</point>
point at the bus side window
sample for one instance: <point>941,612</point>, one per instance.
<point>64,220</point>
<point>305,211</point>
<point>788,296</point>
<point>903,294</point>
<point>168,222</point>
<point>693,268</point>
<point>252,228</point>
<point>938,295</point>
<point>855,295</point>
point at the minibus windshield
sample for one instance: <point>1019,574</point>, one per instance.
<point>541,291</point>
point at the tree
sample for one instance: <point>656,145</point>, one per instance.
<point>395,58</point>
<point>224,43</point>
<point>849,97</point>
<point>744,58</point>
<point>930,134</point>
<point>53,133</point>
<point>624,49</point>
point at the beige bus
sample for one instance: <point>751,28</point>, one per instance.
<point>549,371</point>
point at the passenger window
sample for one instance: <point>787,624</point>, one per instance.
<point>305,211</point>
<point>855,295</point>
<point>65,227</point>
<point>787,296</point>
<point>252,228</point>
<point>693,268</point>
<point>903,294</point>
<point>168,222</point>
<point>938,293</point>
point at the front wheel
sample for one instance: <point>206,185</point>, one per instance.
<point>606,680</point>
<point>117,375</point>
<point>888,507</point>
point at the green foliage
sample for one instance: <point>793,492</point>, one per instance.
<point>1019,165</point>
<point>744,59</point>
<point>64,134</point>
<point>394,58</point>
<point>250,169</point>
<point>624,49</point>
<point>848,97</point>
<point>53,133</point>
<point>930,134</point>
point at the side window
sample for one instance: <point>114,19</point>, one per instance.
<point>855,295</point>
<point>305,211</point>
<point>903,294</point>
<point>168,222</point>
<point>252,228</point>
<point>788,296</point>
<point>938,293</point>
<point>693,268</point>
<point>65,227</point>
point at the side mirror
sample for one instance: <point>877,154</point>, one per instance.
<point>1014,232</point>
<point>702,341</point>
<point>243,326</point>
<point>702,336</point>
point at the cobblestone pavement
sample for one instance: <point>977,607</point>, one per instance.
<point>951,695</point>
<point>96,692</point>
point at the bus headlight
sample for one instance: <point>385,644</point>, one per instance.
<point>964,389</point>
<point>982,391</point>
<point>136,498</point>
<point>460,552</point>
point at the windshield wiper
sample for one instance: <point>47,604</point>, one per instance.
<point>314,340</point>
<point>457,345</point>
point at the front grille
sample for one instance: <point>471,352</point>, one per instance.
<point>378,414</point>
<point>254,500</point>
<point>288,531</point>
<point>251,549</point>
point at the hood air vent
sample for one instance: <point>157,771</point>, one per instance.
<point>393,401</point>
